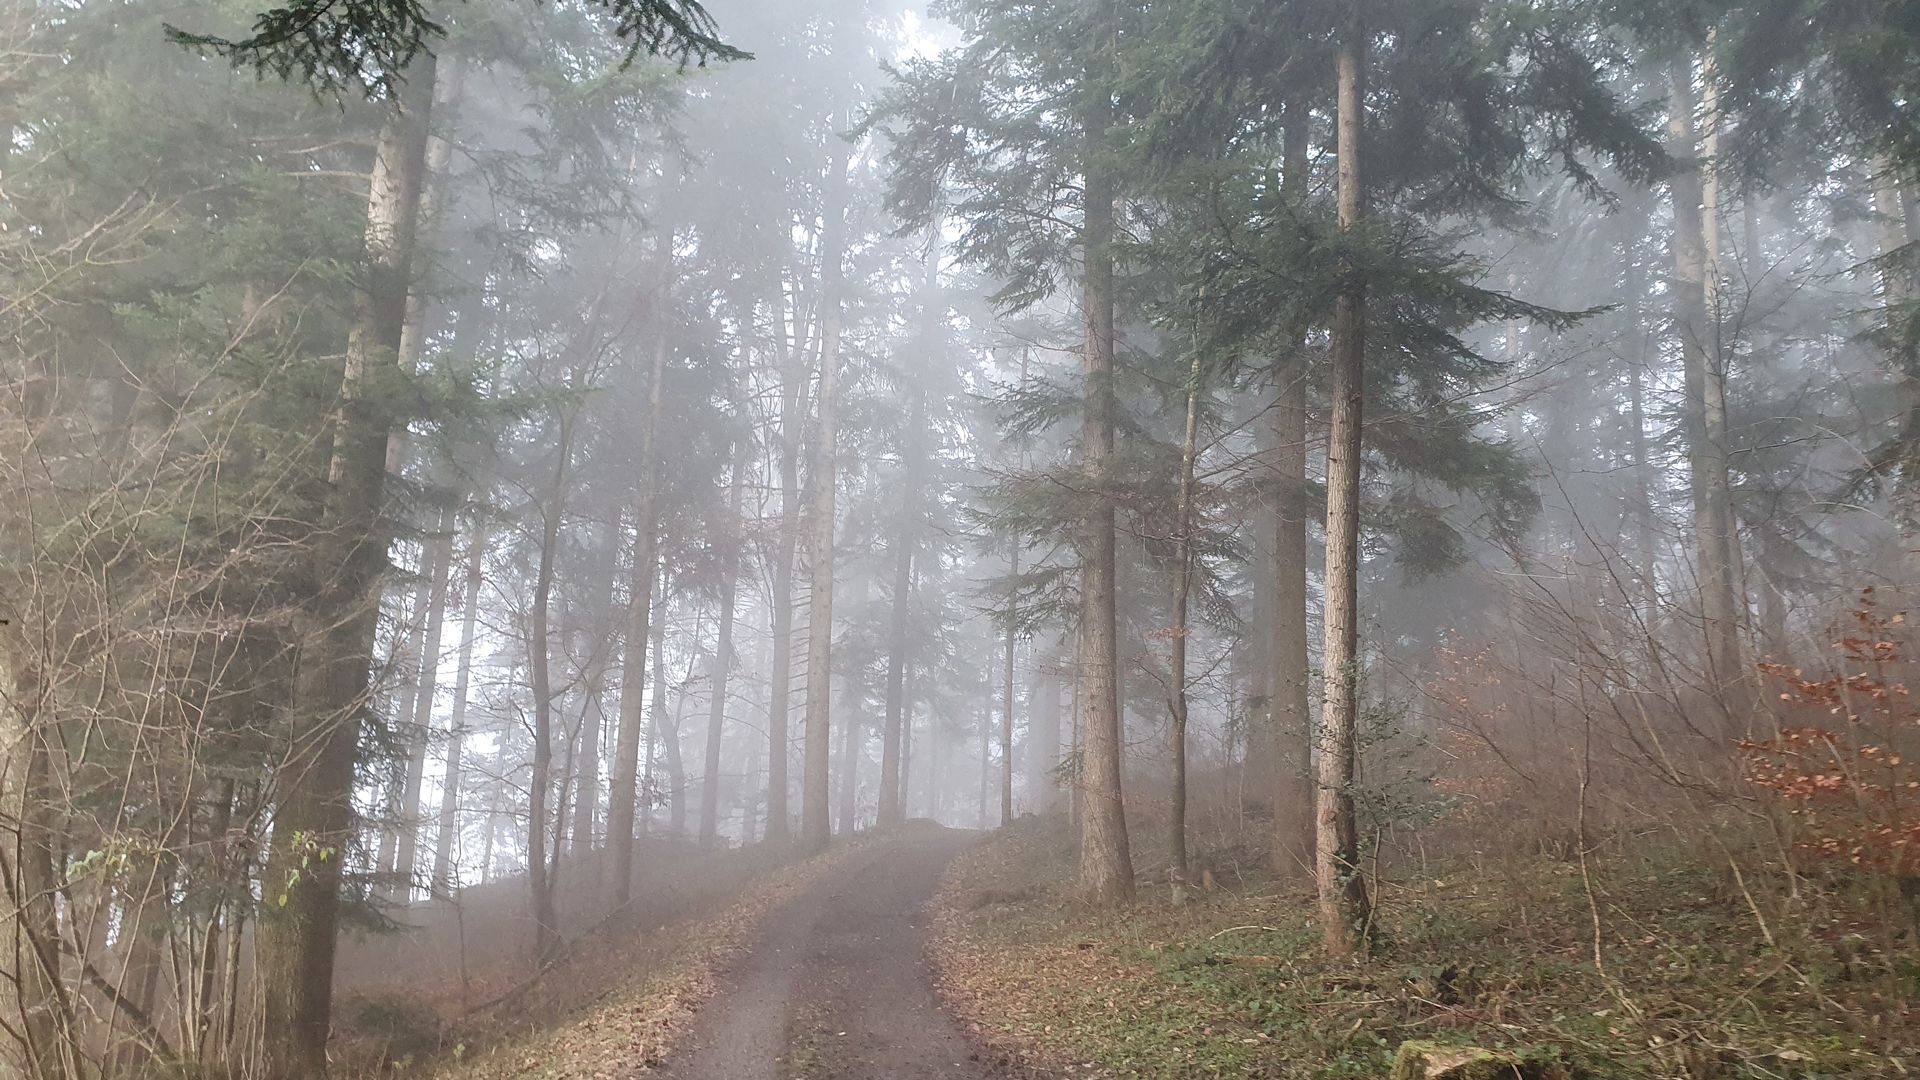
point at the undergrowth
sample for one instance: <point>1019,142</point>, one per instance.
<point>1501,956</point>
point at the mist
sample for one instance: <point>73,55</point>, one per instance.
<point>489,486</point>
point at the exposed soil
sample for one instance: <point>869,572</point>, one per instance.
<point>838,983</point>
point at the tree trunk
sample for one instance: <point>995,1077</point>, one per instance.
<point>1106,864</point>
<point>42,1043</point>
<point>892,755</point>
<point>781,678</point>
<point>546,930</point>
<point>1343,894</point>
<point>893,763</point>
<point>314,819</point>
<point>626,765</point>
<point>1290,729</point>
<point>457,722</point>
<point>666,726</point>
<point>1704,419</point>
<point>439,570</point>
<point>1043,734</point>
<point>815,814</point>
<point>1177,660</point>
<point>717,677</point>
<point>1006,697</point>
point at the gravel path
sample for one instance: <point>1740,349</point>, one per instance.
<point>837,984</point>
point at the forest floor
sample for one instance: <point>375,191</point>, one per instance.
<point>1230,983</point>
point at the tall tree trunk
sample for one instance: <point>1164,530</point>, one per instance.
<point>1106,864</point>
<point>851,733</point>
<point>546,929</point>
<point>666,725</point>
<point>1704,418</point>
<point>1177,661</point>
<point>315,781</point>
<point>892,756</point>
<point>1343,894</point>
<point>633,723</point>
<point>449,829</point>
<point>815,814</point>
<point>1006,694</point>
<point>722,667</point>
<point>439,570</point>
<point>781,677</point>
<point>1043,733</point>
<point>1288,701</point>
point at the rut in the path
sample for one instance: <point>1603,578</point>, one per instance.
<point>837,984</point>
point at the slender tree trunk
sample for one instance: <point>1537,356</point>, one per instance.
<point>586,799</point>
<point>815,816</point>
<point>1006,697</point>
<point>717,678</point>
<point>1106,864</point>
<point>893,767</point>
<point>315,781</point>
<point>439,570</point>
<point>1697,292</point>
<point>1343,895</point>
<point>41,1041</point>
<point>633,723</point>
<point>781,686</point>
<point>850,738</point>
<point>666,726</point>
<point>893,758</point>
<point>1177,661</point>
<point>546,928</point>
<point>1043,733</point>
<point>1291,726</point>
<point>449,829</point>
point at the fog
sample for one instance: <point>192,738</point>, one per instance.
<point>510,469</point>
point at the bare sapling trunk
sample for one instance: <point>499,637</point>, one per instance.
<point>1342,891</point>
<point>1006,692</point>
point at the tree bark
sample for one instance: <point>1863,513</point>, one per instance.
<point>439,570</point>
<point>633,722</point>
<point>1342,891</point>
<point>1106,864</point>
<point>781,677</point>
<point>1289,710</point>
<point>1006,697</point>
<point>815,813</point>
<point>546,931</point>
<point>314,819</point>
<point>721,668</point>
<point>456,722</point>
<point>39,1022</point>
<point>1704,418</point>
<point>1177,659</point>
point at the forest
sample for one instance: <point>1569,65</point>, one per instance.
<point>844,538</point>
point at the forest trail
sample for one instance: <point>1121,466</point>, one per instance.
<point>838,984</point>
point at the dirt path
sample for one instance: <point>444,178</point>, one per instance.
<point>837,984</point>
